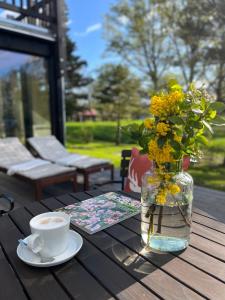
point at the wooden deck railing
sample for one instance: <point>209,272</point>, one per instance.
<point>36,12</point>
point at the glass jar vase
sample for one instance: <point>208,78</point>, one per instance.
<point>166,197</point>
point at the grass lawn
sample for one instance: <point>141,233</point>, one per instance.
<point>209,176</point>
<point>104,150</point>
<point>96,139</point>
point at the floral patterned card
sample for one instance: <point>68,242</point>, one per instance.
<point>98,213</point>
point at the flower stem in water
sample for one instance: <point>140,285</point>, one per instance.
<point>160,220</point>
<point>150,213</point>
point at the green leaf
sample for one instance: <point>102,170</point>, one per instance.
<point>212,114</point>
<point>176,146</point>
<point>218,106</point>
<point>178,131</point>
<point>177,155</point>
<point>207,125</point>
<point>175,87</point>
<point>219,120</point>
<point>143,151</point>
<point>143,141</point>
<point>161,141</point>
<point>202,139</point>
<point>141,128</point>
<point>196,124</point>
<point>176,120</point>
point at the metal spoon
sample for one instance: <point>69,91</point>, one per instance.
<point>43,259</point>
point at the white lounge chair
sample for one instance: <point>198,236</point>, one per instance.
<point>16,160</point>
<point>51,149</point>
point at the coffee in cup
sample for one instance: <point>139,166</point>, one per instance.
<point>50,232</point>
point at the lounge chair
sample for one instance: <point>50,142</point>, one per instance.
<point>16,160</point>
<point>51,149</point>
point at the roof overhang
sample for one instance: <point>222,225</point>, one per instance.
<point>26,29</point>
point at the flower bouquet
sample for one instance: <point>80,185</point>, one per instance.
<point>177,130</point>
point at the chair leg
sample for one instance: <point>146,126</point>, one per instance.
<point>74,182</point>
<point>86,181</point>
<point>38,190</point>
<point>112,172</point>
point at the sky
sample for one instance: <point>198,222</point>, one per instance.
<point>86,29</point>
<point>85,23</point>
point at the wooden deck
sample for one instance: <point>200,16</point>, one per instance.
<point>24,193</point>
<point>112,264</point>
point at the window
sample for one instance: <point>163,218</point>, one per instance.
<point>24,95</point>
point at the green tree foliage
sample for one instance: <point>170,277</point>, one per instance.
<point>135,31</point>
<point>74,79</point>
<point>197,31</point>
<point>160,37</point>
<point>117,93</point>
<point>189,26</point>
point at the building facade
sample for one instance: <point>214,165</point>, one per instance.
<point>32,68</point>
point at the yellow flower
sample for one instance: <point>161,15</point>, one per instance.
<point>166,104</point>
<point>153,180</point>
<point>167,176</point>
<point>157,105</point>
<point>161,197</point>
<point>162,128</point>
<point>160,155</point>
<point>177,138</point>
<point>174,189</point>
<point>148,123</point>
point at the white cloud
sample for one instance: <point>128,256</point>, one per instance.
<point>94,27</point>
<point>89,29</point>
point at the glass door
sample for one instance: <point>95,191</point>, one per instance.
<point>24,95</point>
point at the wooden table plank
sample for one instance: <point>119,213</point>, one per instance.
<point>140,268</point>
<point>200,281</point>
<point>212,232</point>
<point>203,243</point>
<point>208,247</point>
<point>204,261</point>
<point>209,233</point>
<point>113,260</point>
<point>69,273</point>
<point>113,277</point>
<point>211,223</point>
<point>10,286</point>
<point>38,283</point>
<point>210,202</point>
<point>202,230</point>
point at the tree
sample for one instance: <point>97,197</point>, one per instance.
<point>74,78</point>
<point>160,37</point>
<point>118,91</point>
<point>216,49</point>
<point>135,31</point>
<point>191,28</point>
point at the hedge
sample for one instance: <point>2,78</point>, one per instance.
<point>80,132</point>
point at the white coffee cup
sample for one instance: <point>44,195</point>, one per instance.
<point>50,232</point>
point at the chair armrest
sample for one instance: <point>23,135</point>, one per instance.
<point>10,200</point>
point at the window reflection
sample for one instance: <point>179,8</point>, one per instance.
<point>24,95</point>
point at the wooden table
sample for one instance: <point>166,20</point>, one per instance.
<point>111,264</point>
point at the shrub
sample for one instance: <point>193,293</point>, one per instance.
<point>79,132</point>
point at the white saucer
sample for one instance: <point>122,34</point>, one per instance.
<point>27,256</point>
